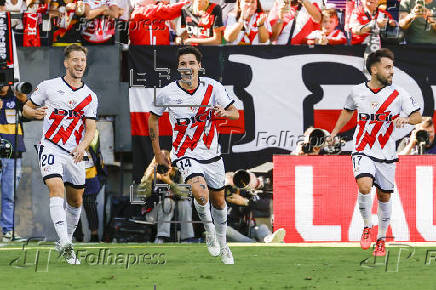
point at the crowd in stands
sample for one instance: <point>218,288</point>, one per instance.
<point>212,22</point>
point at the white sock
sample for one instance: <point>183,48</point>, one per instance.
<point>220,221</point>
<point>73,216</point>
<point>205,217</point>
<point>384,212</point>
<point>365,205</point>
<point>58,217</point>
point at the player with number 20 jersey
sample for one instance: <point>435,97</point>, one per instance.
<point>63,126</point>
<point>68,109</point>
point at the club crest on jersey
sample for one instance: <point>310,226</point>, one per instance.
<point>374,105</point>
<point>72,103</point>
<point>193,109</point>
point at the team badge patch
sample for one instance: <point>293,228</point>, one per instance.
<point>72,103</point>
<point>374,105</point>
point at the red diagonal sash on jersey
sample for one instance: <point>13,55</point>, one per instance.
<point>383,139</point>
<point>371,137</point>
<point>192,143</point>
<point>64,134</point>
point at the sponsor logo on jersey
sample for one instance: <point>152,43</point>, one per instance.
<point>383,117</point>
<point>68,113</point>
<point>195,119</point>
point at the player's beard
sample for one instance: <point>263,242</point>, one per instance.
<point>383,80</point>
<point>74,74</point>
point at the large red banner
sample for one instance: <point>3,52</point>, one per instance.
<point>315,199</point>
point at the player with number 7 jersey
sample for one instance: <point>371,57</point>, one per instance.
<point>68,109</point>
<point>379,105</point>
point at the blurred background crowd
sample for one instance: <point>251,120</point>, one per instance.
<point>198,22</point>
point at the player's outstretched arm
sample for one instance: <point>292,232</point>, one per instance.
<point>79,151</point>
<point>343,119</point>
<point>153,128</point>
<point>31,111</point>
<point>230,113</point>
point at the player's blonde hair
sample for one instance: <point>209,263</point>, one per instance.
<point>74,47</point>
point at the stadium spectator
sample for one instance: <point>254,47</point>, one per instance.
<point>227,6</point>
<point>66,22</point>
<point>426,133</point>
<point>201,23</point>
<point>148,23</point>
<point>121,9</point>
<point>15,7</point>
<point>242,226</point>
<point>418,20</point>
<point>100,24</point>
<point>9,103</point>
<point>32,19</point>
<point>165,209</point>
<point>367,18</point>
<point>328,33</point>
<point>247,24</point>
<point>291,22</point>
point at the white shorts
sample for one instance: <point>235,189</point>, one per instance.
<point>213,172</point>
<point>382,173</point>
<point>55,162</point>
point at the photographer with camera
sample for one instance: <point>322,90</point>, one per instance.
<point>244,195</point>
<point>418,20</point>
<point>313,142</point>
<point>421,139</point>
<point>11,147</point>
<point>165,209</point>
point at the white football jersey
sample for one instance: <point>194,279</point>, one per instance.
<point>376,111</point>
<point>194,130</point>
<point>67,109</point>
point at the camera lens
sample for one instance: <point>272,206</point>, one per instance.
<point>422,136</point>
<point>241,178</point>
<point>162,169</point>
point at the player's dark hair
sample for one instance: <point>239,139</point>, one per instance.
<point>189,50</point>
<point>74,47</point>
<point>376,56</point>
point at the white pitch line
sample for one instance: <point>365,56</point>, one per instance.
<point>174,245</point>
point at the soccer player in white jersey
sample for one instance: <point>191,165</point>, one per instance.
<point>193,103</point>
<point>378,104</point>
<point>69,109</point>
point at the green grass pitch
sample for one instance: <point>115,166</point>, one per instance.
<point>189,266</point>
